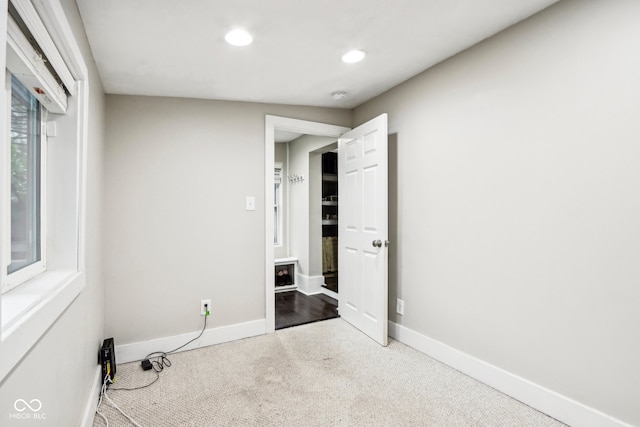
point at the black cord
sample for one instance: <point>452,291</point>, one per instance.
<point>162,360</point>
<point>164,353</point>
<point>161,356</point>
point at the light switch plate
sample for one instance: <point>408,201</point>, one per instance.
<point>251,203</point>
<point>52,129</point>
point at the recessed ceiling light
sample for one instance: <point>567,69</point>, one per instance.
<point>238,37</point>
<point>353,56</point>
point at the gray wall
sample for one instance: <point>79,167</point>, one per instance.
<point>516,212</point>
<point>61,367</point>
<point>177,174</point>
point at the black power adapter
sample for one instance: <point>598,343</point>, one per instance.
<point>146,365</point>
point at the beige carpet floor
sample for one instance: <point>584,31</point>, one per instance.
<point>320,374</point>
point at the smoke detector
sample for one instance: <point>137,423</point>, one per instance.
<point>339,94</point>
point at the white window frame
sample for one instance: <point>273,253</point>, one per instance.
<point>10,281</point>
<point>277,211</point>
<point>29,310</point>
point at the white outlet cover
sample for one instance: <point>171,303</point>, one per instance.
<point>400,306</point>
<point>202,303</point>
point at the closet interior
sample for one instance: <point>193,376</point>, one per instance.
<point>330,220</point>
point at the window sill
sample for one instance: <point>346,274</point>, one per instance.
<point>29,310</point>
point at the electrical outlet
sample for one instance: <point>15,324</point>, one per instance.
<point>203,309</point>
<point>400,306</point>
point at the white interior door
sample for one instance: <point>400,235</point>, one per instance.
<point>363,228</point>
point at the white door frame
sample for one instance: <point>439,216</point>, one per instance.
<point>294,125</point>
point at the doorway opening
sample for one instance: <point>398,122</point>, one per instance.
<point>306,230</point>
<point>363,222</point>
<point>316,297</point>
<point>297,147</point>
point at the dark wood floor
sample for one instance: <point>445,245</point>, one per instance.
<point>294,308</point>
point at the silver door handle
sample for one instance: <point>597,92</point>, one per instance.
<point>377,244</point>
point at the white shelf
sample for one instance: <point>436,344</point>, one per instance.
<point>329,203</point>
<point>287,260</point>
<point>285,288</point>
<point>329,222</point>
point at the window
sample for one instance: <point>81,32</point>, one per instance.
<point>277,205</point>
<point>42,61</point>
<point>27,237</point>
<point>33,87</point>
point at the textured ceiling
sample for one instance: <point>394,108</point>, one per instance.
<point>177,48</point>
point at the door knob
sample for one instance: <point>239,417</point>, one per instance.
<point>377,244</point>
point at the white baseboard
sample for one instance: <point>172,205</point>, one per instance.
<point>330,293</point>
<point>544,400</point>
<point>309,285</point>
<point>92,400</point>
<point>137,351</point>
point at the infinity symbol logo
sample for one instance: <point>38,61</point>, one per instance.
<point>21,405</point>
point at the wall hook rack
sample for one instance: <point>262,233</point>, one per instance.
<point>294,179</point>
